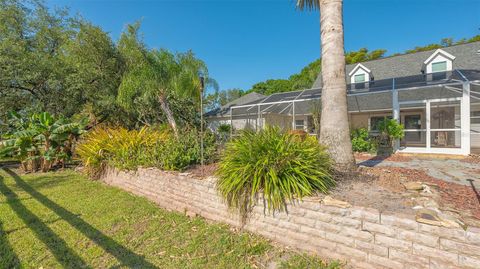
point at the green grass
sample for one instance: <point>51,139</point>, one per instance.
<point>63,220</point>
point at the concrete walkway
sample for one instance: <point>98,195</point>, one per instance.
<point>450,170</point>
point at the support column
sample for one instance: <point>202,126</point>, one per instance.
<point>465,118</point>
<point>293,115</point>
<point>427,120</point>
<point>395,112</point>
<point>257,126</point>
<point>231,123</point>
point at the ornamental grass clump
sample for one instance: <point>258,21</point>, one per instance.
<point>130,149</point>
<point>277,166</point>
<point>119,147</point>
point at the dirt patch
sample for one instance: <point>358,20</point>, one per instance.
<point>456,198</point>
<point>365,189</point>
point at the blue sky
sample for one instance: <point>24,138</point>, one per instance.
<point>245,42</point>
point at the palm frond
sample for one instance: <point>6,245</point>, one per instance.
<point>308,4</point>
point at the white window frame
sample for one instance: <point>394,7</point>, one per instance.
<point>300,126</point>
<point>465,141</point>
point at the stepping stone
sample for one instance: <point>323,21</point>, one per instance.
<point>328,200</point>
<point>413,186</point>
<point>431,217</point>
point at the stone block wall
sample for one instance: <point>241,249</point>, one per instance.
<point>363,237</point>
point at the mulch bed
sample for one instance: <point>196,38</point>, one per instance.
<point>473,158</point>
<point>382,187</point>
<point>453,196</point>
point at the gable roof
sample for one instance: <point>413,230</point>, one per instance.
<point>252,97</point>
<point>359,66</point>
<point>466,57</point>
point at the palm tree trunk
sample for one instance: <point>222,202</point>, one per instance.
<point>168,112</point>
<point>335,130</point>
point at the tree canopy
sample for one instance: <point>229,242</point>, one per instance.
<point>51,61</point>
<point>54,62</point>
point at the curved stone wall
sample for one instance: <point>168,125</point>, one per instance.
<point>363,237</point>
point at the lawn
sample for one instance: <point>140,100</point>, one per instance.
<point>63,220</point>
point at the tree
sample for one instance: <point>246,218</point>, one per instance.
<point>272,86</point>
<point>95,68</point>
<point>334,124</point>
<point>363,55</point>
<point>53,62</point>
<point>220,98</point>
<point>307,76</point>
<point>309,73</point>
<point>156,77</point>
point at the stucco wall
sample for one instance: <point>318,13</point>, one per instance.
<point>365,238</point>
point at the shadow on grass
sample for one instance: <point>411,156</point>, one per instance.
<point>121,253</point>
<point>57,246</point>
<point>8,258</point>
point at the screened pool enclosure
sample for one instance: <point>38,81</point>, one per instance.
<point>440,111</point>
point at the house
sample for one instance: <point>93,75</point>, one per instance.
<point>435,94</point>
<point>221,115</point>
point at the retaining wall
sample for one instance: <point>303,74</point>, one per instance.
<point>364,237</point>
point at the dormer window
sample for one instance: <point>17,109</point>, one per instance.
<point>359,77</point>
<point>438,64</point>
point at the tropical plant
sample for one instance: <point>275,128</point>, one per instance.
<point>224,131</point>
<point>390,130</point>
<point>272,164</point>
<point>156,76</point>
<point>334,131</point>
<point>41,140</point>
<point>361,140</point>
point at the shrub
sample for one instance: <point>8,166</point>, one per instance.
<point>391,128</point>
<point>361,140</point>
<point>177,154</point>
<point>278,165</point>
<point>119,147</point>
<point>130,149</point>
<point>224,131</point>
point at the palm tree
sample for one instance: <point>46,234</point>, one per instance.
<point>157,75</point>
<point>334,125</point>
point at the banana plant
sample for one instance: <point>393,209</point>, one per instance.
<point>42,141</point>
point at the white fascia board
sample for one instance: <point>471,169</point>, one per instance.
<point>357,67</point>
<point>439,51</point>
